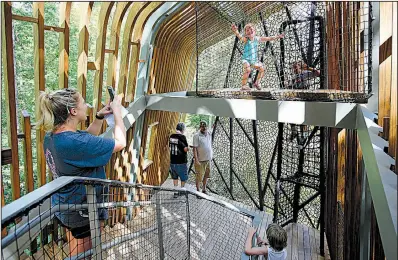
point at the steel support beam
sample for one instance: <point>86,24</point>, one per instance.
<point>340,115</point>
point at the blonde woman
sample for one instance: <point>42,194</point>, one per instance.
<point>72,152</point>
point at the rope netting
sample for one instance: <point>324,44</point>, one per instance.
<point>251,178</point>
<point>323,54</point>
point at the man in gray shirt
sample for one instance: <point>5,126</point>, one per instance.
<point>203,154</point>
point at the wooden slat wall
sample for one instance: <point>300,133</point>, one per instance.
<point>331,218</point>
<point>132,16</point>
<point>9,85</point>
<point>171,65</point>
<point>135,49</point>
<point>333,43</point>
<point>385,62</point>
<point>343,30</point>
<point>393,133</point>
<point>341,162</point>
<point>121,10</point>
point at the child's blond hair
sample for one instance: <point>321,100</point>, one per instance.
<point>277,237</point>
<point>249,25</point>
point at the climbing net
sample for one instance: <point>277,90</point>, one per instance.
<point>324,54</point>
<point>251,157</point>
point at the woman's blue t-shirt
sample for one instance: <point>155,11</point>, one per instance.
<point>76,154</point>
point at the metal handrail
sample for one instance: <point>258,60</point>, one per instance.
<point>30,202</point>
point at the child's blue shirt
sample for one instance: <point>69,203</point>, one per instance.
<point>250,50</point>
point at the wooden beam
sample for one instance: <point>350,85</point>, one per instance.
<point>24,18</point>
<point>92,66</point>
<point>9,86</point>
<point>3,203</point>
<point>103,18</point>
<point>53,28</point>
<point>393,139</point>
<point>109,51</point>
<point>27,149</point>
<point>113,58</point>
<point>341,166</point>
<point>38,29</point>
<point>64,22</point>
<point>384,105</point>
<point>86,8</point>
<point>6,156</point>
<point>135,49</point>
<point>132,16</point>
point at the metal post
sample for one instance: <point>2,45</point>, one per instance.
<point>232,57</point>
<point>297,186</point>
<point>258,167</point>
<point>231,154</point>
<point>188,226</point>
<point>94,222</point>
<point>278,170</point>
<point>197,47</point>
<point>311,38</point>
<point>160,226</point>
<point>322,188</point>
<point>365,225</point>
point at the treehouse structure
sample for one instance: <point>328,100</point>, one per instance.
<point>316,154</point>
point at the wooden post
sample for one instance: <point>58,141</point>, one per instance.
<point>64,14</point>
<point>38,12</point>
<point>9,85</point>
<point>27,148</point>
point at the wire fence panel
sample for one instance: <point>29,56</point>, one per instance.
<point>75,222</point>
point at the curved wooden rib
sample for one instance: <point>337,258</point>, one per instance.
<point>85,15</point>
<point>135,49</point>
<point>64,15</point>
<point>103,18</point>
<point>134,12</point>
<point>121,10</point>
<point>173,67</point>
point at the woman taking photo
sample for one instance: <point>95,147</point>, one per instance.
<point>72,152</point>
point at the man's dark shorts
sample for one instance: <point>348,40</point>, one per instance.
<point>179,170</point>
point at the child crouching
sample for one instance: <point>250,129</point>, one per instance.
<point>275,250</point>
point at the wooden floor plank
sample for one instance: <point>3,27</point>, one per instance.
<point>300,241</point>
<point>314,251</point>
<point>289,248</point>
<point>306,243</point>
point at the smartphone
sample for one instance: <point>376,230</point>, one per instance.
<point>111,92</point>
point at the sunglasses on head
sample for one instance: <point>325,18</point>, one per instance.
<point>70,93</point>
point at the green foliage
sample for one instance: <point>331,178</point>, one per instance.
<point>23,39</point>
<point>194,120</point>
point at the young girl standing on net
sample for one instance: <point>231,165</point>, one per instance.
<point>250,53</point>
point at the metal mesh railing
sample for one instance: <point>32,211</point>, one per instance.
<point>151,223</point>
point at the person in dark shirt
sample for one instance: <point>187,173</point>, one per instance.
<point>178,156</point>
<point>72,152</point>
